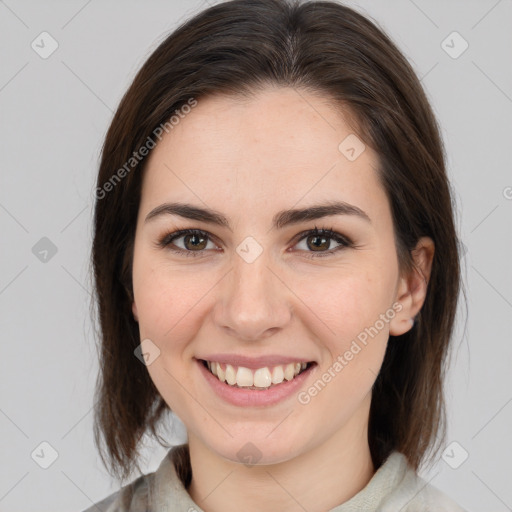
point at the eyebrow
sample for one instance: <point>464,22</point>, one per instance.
<point>280,220</point>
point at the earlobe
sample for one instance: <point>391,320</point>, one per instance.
<point>412,290</point>
<point>400,325</point>
<point>402,321</point>
<point>134,311</point>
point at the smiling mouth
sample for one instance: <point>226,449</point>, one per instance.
<point>261,378</point>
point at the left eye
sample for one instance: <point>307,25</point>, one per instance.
<point>318,238</point>
<point>195,242</point>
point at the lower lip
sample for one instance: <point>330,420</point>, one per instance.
<point>255,397</point>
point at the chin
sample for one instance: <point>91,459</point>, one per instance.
<point>259,452</point>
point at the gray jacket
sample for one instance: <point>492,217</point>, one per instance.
<point>395,486</point>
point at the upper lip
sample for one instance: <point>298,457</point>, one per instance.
<point>253,362</point>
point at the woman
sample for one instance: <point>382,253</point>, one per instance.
<point>275,261</point>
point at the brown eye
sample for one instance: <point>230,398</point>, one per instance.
<point>318,242</point>
<point>194,242</point>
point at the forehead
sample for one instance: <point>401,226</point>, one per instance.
<point>274,149</point>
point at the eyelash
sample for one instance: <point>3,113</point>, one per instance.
<point>345,242</point>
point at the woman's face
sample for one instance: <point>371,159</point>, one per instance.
<point>260,286</point>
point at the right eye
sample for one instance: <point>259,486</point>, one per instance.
<point>194,238</point>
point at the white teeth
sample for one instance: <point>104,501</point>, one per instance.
<point>244,377</point>
<point>230,375</point>
<point>260,378</point>
<point>221,374</point>
<point>289,371</point>
<point>277,375</point>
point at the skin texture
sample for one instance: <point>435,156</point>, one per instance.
<point>249,159</point>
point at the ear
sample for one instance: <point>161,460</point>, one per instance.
<point>134,311</point>
<point>412,288</point>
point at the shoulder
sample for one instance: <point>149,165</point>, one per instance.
<point>133,497</point>
<point>161,489</point>
<point>413,494</point>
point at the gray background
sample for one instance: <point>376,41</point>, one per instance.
<point>54,114</point>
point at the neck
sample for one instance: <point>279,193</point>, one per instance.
<point>318,479</point>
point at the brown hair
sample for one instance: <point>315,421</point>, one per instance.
<point>237,47</point>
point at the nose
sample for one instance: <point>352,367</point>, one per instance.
<point>253,301</point>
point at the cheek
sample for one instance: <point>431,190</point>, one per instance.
<point>169,303</point>
<point>170,312</point>
<point>348,313</point>
<point>352,312</point>
<point>348,304</point>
